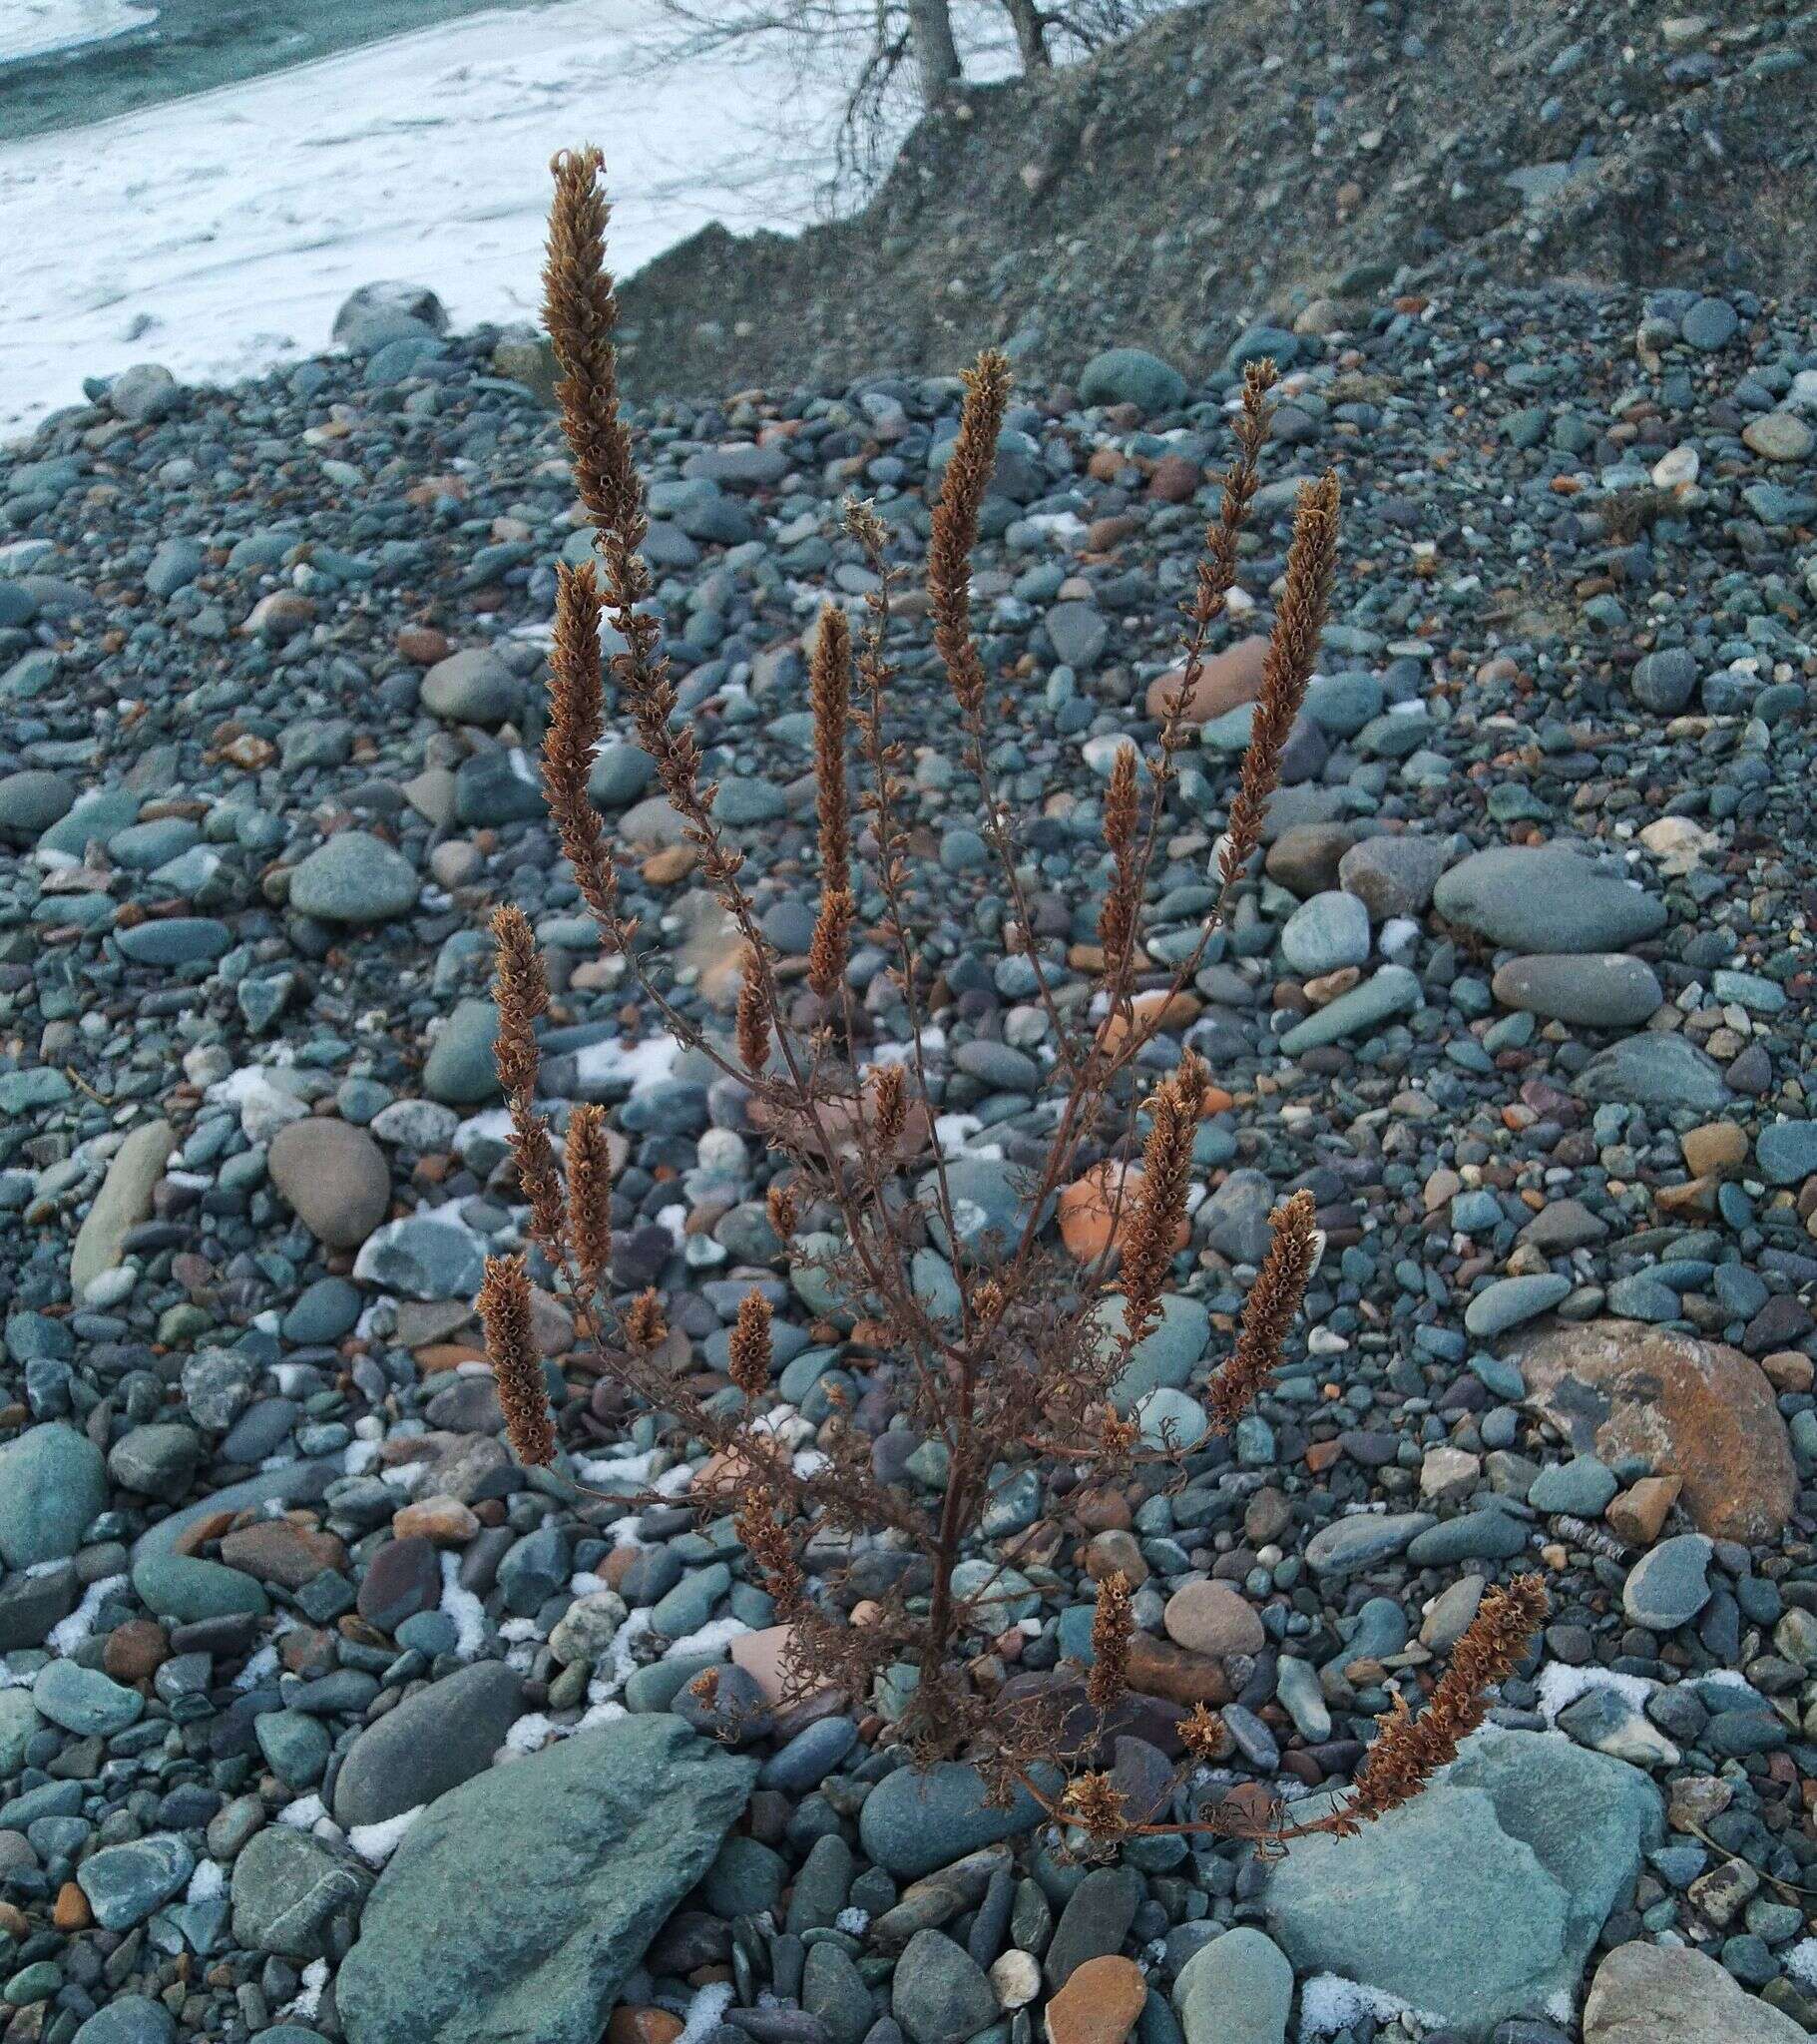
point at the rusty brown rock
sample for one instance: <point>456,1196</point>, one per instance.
<point>1695,1409</point>
<point>1098,2003</point>
<point>283,1551</point>
<point>135,1650</point>
<point>1213,1619</point>
<point>631,2025</point>
<point>71,1910</point>
<point>1225,680</point>
<point>1099,1509</point>
<point>1638,1514</point>
<point>761,1655</point>
<point>1155,1010</point>
<point>1157,1667</point>
<point>1716,1149</point>
<point>1097,1211</point>
<point>423,645</point>
<point>671,866</point>
<point>1174,479</point>
<point>443,1521</point>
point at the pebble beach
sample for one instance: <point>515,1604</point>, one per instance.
<point>320,1719</point>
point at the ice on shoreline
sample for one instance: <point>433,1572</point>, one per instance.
<point>219,233</point>
<point>44,28</point>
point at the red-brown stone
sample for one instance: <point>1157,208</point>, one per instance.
<point>1695,1409</point>
<point>1098,2003</point>
<point>1224,681</point>
<point>1157,1667</point>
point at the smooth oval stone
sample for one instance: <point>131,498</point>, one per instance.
<point>354,879</point>
<point>1546,898</point>
<point>1596,989</point>
<point>913,1822</point>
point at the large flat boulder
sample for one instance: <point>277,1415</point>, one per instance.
<point>1483,1897</point>
<point>519,1902</point>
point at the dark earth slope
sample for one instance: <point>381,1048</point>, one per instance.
<point>1246,156</point>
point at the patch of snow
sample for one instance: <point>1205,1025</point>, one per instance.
<point>404,1475</point>
<point>264,1106</point>
<point>1732,1678</point>
<point>952,1129</point>
<point>634,1467</point>
<point>853,1921</point>
<point>704,2011</point>
<point>376,1844</point>
<point>466,1610</point>
<point>1560,1687</point>
<point>494,1126</point>
<point>304,1814</point>
<point>1328,2005</point>
<point>366,1264</point>
<point>208,1880</point>
<point>620,1661</point>
<point>69,1633</point>
<point>260,1663</point>
<point>784,1423</point>
<point>601,1713</point>
<point>529,1734</point>
<point>314,1980</point>
<point>1059,525</point>
<point>421,157</point>
<point>637,1065</point>
<point>714,1634</point>
<point>1801,1961</point>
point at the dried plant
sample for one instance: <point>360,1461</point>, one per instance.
<point>1024,1373</point>
<point>1628,514</point>
<point>1294,1247</point>
<point>505,1314</point>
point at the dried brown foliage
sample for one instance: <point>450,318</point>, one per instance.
<point>1024,1374</point>
<point>1113,1623</point>
<point>1161,1199</point>
<point>1626,514</point>
<point>750,1356</point>
<point>1273,1304</point>
<point>504,1309</point>
<point>1408,1751</point>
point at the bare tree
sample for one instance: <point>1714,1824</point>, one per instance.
<point>1030,25</point>
<point>896,60</point>
<point>930,35</point>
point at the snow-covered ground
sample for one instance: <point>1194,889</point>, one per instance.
<point>218,233</point>
<point>40,27</point>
